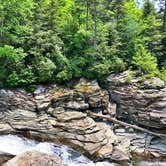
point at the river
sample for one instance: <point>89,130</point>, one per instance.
<point>15,145</point>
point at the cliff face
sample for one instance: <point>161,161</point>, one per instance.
<point>143,102</point>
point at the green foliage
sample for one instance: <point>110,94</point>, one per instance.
<point>162,74</point>
<point>49,41</point>
<point>118,65</point>
<point>128,77</point>
<point>9,54</point>
<point>64,71</point>
<point>64,75</point>
<point>98,71</point>
<point>129,29</point>
<point>78,65</point>
<point>145,62</point>
<point>45,69</point>
<point>13,79</point>
<point>10,60</point>
<point>27,78</point>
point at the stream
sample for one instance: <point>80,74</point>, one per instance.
<point>10,144</point>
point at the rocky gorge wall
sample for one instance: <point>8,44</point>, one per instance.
<point>61,115</point>
<point>143,102</point>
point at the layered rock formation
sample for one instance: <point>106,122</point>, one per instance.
<point>58,114</point>
<point>142,145</point>
<point>140,101</point>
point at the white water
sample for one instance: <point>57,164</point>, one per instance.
<point>152,164</point>
<point>16,145</point>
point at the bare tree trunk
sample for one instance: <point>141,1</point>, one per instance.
<point>164,18</point>
<point>95,25</point>
<point>52,16</point>
<point>1,34</point>
<point>114,120</point>
<point>87,15</point>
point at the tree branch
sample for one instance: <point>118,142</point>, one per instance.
<point>114,120</point>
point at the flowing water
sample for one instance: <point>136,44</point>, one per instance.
<point>15,145</point>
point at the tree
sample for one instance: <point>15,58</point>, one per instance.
<point>145,62</point>
<point>11,60</point>
<point>150,33</point>
<point>14,15</point>
<point>95,25</point>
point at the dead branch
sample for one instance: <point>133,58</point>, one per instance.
<point>114,120</point>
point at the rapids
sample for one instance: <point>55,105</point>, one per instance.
<point>14,145</point>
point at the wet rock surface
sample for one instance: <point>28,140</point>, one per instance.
<point>5,157</point>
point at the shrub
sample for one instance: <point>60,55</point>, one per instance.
<point>64,75</point>
<point>64,70</point>
<point>162,75</point>
<point>145,62</point>
<point>27,78</point>
<point>45,69</point>
<point>10,61</point>
<point>78,65</point>
<point>13,79</point>
<point>118,65</point>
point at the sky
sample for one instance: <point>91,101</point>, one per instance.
<point>156,3</point>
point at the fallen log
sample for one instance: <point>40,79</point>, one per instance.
<point>114,120</point>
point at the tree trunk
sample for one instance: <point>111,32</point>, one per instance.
<point>114,120</point>
<point>95,25</point>
<point>87,15</point>
<point>1,34</point>
<point>164,18</point>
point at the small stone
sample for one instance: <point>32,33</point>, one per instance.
<point>40,97</point>
<point>130,130</point>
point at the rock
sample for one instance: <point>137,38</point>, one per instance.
<point>39,90</point>
<point>143,146</point>
<point>95,96</point>
<point>120,130</point>
<point>112,109</point>
<point>146,106</point>
<point>43,106</point>
<point>55,111</point>
<point>105,151</point>
<point>118,155</point>
<point>5,128</point>
<point>81,131</point>
<point>69,116</point>
<point>60,120</point>
<point>58,114</point>
<point>154,83</point>
<point>4,158</point>
<point>35,158</point>
<point>11,99</point>
<point>76,105</point>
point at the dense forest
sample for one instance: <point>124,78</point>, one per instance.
<point>56,41</point>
